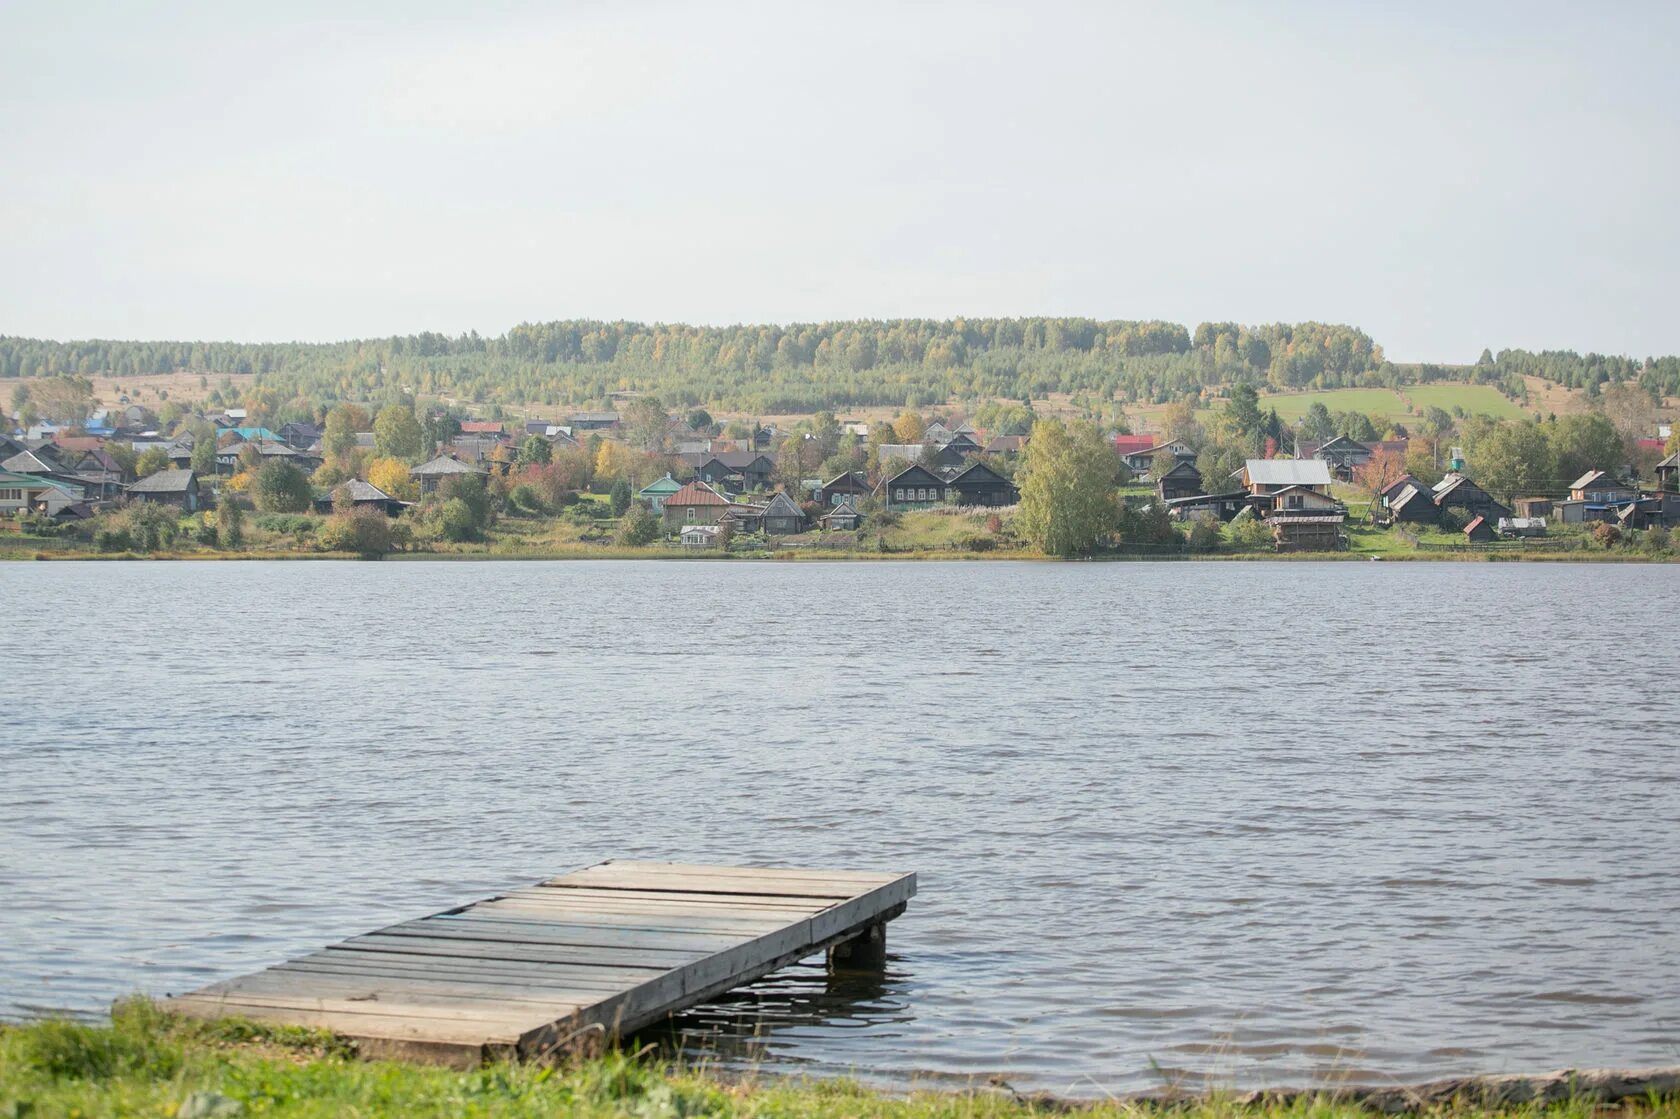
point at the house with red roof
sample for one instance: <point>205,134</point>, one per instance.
<point>694,504</point>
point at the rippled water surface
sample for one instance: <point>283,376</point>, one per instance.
<point>1241,823</point>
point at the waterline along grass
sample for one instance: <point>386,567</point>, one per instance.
<point>148,1063</point>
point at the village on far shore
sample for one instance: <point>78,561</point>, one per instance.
<point>403,478</point>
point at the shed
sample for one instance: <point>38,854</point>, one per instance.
<point>1478,531</point>
<point>1307,534</point>
<point>844,517</point>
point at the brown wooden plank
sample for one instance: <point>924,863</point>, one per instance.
<point>468,950</point>
<point>618,946</point>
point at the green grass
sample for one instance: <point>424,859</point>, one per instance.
<point>1380,402</point>
<point>148,1064</point>
<point>1474,399</point>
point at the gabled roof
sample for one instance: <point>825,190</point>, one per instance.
<point>1412,492</point>
<point>164,481</point>
<point>740,460</point>
<point>1399,484</point>
<point>913,468</point>
<point>782,505</point>
<point>696,493</point>
<point>1287,472</point>
<point>481,427</point>
<point>1189,467</point>
<point>40,461</point>
<point>660,486</point>
<point>1671,460</point>
<point>845,508</point>
<point>1133,444</point>
<point>441,465</point>
<point>13,479</point>
<point>980,467</point>
<point>1003,444</point>
<point>1590,478</point>
<point>363,491</point>
<point>1478,520</point>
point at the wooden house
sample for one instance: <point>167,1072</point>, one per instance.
<point>1005,445</point>
<point>963,443</point>
<point>1140,460</point>
<point>782,517</point>
<point>1455,491</point>
<point>745,517</point>
<point>736,471</point>
<point>168,487</point>
<point>1668,474</point>
<point>19,490</point>
<point>1183,480</point>
<point>979,484</point>
<point>592,421</point>
<point>694,504</point>
<point>1344,455</point>
<point>1533,507</point>
<point>914,487</point>
<point>360,495</point>
<point>1304,501</point>
<point>1296,533</point>
<point>1262,477</point>
<point>852,484</point>
<point>431,474</point>
<point>1224,506</point>
<point>915,453</point>
<point>1479,531</point>
<point>655,492</point>
<point>1414,505</point>
<point>842,518</point>
<point>1596,487</point>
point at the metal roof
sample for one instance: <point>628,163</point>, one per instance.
<point>164,481</point>
<point>1287,472</point>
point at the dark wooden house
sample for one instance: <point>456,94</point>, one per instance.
<point>168,487</point>
<point>843,517</point>
<point>782,517</point>
<point>979,484</point>
<point>738,471</point>
<point>1414,505</point>
<point>1183,480</point>
<point>853,484</point>
<point>914,487</point>
<point>1668,474</point>
<point>1455,491</point>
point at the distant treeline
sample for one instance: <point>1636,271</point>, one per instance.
<point>808,367</point>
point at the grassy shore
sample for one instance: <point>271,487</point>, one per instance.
<point>147,1063</point>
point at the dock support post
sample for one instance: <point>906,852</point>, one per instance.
<point>867,951</point>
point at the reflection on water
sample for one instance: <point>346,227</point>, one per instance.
<point>1239,824</point>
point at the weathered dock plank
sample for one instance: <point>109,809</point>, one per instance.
<point>565,964</point>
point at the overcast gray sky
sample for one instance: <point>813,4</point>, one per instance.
<point>1446,176</point>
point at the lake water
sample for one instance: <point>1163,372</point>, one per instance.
<point>1228,823</point>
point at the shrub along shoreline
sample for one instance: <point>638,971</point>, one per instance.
<point>148,1063</point>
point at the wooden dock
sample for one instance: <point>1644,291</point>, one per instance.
<point>567,964</point>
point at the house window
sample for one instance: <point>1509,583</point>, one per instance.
<point>899,493</point>
<point>690,510</point>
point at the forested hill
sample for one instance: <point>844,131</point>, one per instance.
<point>805,367</point>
